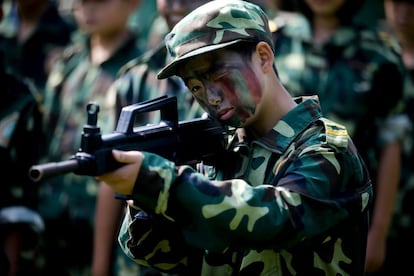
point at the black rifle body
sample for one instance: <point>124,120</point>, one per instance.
<point>184,142</point>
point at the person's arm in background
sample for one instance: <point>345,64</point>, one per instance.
<point>387,186</point>
<point>392,129</point>
<point>12,249</point>
<point>108,213</point>
<point>107,222</point>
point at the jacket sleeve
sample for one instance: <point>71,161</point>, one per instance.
<point>312,196</point>
<point>153,241</point>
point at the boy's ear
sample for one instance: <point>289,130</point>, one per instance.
<point>266,55</point>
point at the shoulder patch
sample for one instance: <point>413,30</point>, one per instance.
<point>336,134</point>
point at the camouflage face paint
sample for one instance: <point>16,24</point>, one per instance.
<point>225,85</point>
<point>215,25</point>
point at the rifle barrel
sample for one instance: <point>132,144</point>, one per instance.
<point>38,172</point>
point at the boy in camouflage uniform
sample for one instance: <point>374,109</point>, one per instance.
<point>290,197</point>
<point>358,77</point>
<point>399,22</point>
<point>34,35</point>
<point>87,69</point>
<point>20,128</point>
<point>20,135</point>
<point>137,82</point>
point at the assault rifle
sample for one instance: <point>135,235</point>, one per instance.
<point>184,142</point>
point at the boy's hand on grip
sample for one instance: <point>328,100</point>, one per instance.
<point>122,180</point>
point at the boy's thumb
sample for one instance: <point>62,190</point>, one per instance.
<point>126,156</point>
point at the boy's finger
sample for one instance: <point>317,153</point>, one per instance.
<point>126,156</point>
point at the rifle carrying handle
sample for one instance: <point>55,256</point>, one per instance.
<point>166,105</point>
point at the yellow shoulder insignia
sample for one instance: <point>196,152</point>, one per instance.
<point>336,134</point>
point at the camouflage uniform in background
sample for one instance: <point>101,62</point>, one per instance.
<point>358,77</point>
<point>137,82</point>
<point>400,236</point>
<point>142,20</point>
<point>67,202</point>
<point>140,84</point>
<point>20,135</point>
<point>29,59</point>
<point>258,217</point>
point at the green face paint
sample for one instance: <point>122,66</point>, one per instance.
<point>225,85</point>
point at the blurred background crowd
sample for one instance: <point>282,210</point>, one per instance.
<point>56,56</point>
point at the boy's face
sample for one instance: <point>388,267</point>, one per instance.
<point>399,15</point>
<point>103,16</point>
<point>174,10</point>
<point>325,8</point>
<point>226,84</point>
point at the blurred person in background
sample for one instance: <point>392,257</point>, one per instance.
<point>88,67</point>
<point>399,22</point>
<point>34,35</point>
<point>358,76</point>
<point>137,82</point>
<point>20,135</point>
<point>142,19</point>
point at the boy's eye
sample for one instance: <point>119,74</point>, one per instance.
<point>194,89</point>
<point>195,86</point>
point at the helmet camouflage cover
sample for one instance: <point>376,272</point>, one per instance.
<point>215,25</point>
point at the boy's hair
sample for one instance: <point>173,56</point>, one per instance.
<point>246,49</point>
<point>212,26</point>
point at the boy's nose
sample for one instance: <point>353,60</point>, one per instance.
<point>214,95</point>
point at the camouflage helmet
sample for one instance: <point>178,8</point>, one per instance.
<point>215,25</point>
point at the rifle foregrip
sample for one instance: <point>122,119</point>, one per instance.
<point>38,172</point>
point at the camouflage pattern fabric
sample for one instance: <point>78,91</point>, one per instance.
<point>215,29</point>
<point>403,221</point>
<point>137,82</point>
<point>142,20</point>
<point>292,203</point>
<point>293,23</point>
<point>358,77</point>
<point>28,59</point>
<point>402,225</point>
<point>20,118</point>
<point>67,202</point>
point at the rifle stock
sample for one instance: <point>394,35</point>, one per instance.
<point>184,142</point>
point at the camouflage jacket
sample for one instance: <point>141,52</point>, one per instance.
<point>137,82</point>
<point>20,135</point>
<point>402,225</point>
<point>294,202</point>
<point>29,58</point>
<point>358,77</point>
<point>74,82</point>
